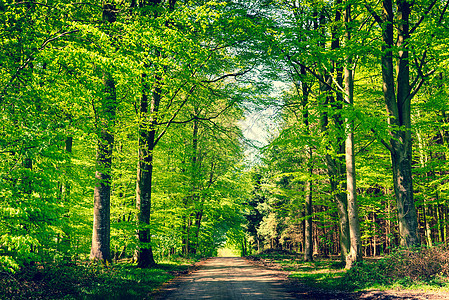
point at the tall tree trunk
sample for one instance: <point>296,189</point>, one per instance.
<point>148,122</point>
<point>335,164</point>
<point>399,109</point>
<point>423,159</point>
<point>65,194</point>
<point>401,143</point>
<point>308,245</point>
<point>100,249</point>
<point>194,182</point>
<point>355,251</point>
<point>147,134</point>
<point>101,233</point>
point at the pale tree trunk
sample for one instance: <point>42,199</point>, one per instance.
<point>355,251</point>
<point>65,195</point>
<point>193,216</point>
<point>388,233</point>
<point>423,159</point>
<point>335,165</point>
<point>308,245</point>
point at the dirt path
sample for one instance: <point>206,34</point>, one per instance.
<point>228,278</point>
<point>236,278</point>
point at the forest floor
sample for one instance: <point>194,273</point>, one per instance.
<point>84,280</point>
<point>265,276</point>
<point>269,278</point>
<point>322,280</point>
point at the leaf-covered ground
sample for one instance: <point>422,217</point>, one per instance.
<point>87,281</point>
<point>324,278</point>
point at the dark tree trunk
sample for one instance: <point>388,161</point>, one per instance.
<point>147,135</point>
<point>148,122</point>
<point>399,109</point>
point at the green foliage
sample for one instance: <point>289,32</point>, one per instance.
<point>215,60</point>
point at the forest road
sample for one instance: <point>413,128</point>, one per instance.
<point>228,278</point>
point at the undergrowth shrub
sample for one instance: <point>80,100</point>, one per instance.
<point>419,264</point>
<point>403,266</point>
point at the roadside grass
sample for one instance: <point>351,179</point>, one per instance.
<point>424,269</point>
<point>88,281</point>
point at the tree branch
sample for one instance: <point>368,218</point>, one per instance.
<point>423,16</point>
<point>382,140</point>
<point>374,14</point>
<point>228,75</point>
<point>26,63</point>
<point>175,114</point>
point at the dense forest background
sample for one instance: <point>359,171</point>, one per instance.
<point>122,129</point>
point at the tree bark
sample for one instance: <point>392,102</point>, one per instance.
<point>101,233</point>
<point>308,245</point>
<point>148,122</point>
<point>401,144</point>
<point>355,251</point>
<point>399,110</point>
<point>147,134</point>
<point>100,249</point>
<point>335,165</point>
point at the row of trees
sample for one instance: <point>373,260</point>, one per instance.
<point>347,61</point>
<point>89,91</point>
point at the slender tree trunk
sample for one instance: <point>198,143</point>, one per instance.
<point>100,249</point>
<point>194,179</point>
<point>335,171</point>
<point>335,164</point>
<point>308,245</point>
<point>148,122</point>
<point>65,194</point>
<point>147,135</point>
<point>199,217</point>
<point>355,251</point>
<point>445,225</point>
<point>423,162</point>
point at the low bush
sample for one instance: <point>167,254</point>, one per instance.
<point>404,266</point>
